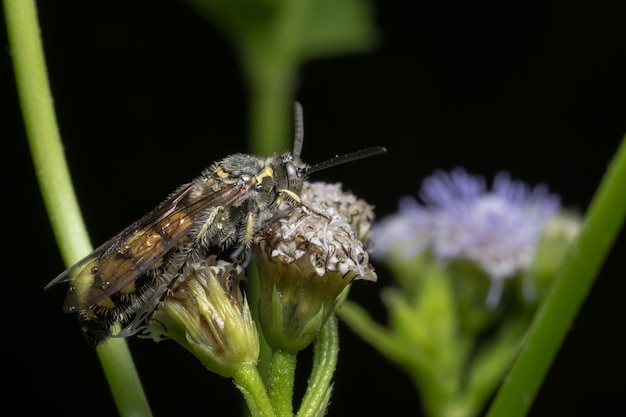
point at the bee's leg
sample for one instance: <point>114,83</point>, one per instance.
<point>287,195</point>
<point>242,254</point>
<point>251,220</point>
<point>204,234</point>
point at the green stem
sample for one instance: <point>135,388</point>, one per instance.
<point>253,290</point>
<point>603,222</point>
<point>121,374</point>
<point>282,375</point>
<point>361,323</point>
<point>271,69</point>
<point>56,186</point>
<point>250,383</point>
<point>269,119</point>
<point>406,356</point>
<point>42,131</point>
<point>325,353</point>
<point>271,63</point>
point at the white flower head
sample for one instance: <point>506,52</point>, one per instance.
<point>307,257</point>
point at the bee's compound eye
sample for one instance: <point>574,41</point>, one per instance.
<point>294,177</point>
<point>292,172</point>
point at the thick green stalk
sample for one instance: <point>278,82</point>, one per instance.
<point>269,119</point>
<point>56,186</point>
<point>271,66</point>
<point>251,385</point>
<point>271,63</point>
<point>325,353</point>
<point>281,382</point>
<point>42,131</point>
<point>121,374</point>
<point>603,222</point>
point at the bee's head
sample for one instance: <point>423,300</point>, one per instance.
<point>296,172</point>
<point>290,171</point>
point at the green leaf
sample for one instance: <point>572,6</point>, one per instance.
<point>603,222</point>
<point>297,30</point>
<point>337,26</point>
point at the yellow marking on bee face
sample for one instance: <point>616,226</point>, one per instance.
<point>267,172</point>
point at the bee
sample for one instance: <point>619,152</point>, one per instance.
<point>124,279</point>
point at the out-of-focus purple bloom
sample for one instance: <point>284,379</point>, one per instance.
<point>405,234</point>
<point>498,229</point>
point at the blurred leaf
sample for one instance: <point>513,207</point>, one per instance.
<point>338,26</point>
<point>296,30</point>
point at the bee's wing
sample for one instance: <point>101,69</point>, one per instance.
<point>123,258</point>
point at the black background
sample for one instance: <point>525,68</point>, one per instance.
<point>147,93</point>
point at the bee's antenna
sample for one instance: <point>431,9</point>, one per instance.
<point>349,157</point>
<point>298,129</point>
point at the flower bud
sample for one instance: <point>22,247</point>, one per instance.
<point>210,317</point>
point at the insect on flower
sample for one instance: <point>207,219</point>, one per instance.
<point>125,279</point>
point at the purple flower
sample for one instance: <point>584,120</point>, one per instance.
<point>498,229</point>
<point>405,234</point>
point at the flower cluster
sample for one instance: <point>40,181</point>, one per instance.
<point>497,229</point>
<point>453,325</point>
<point>306,259</point>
